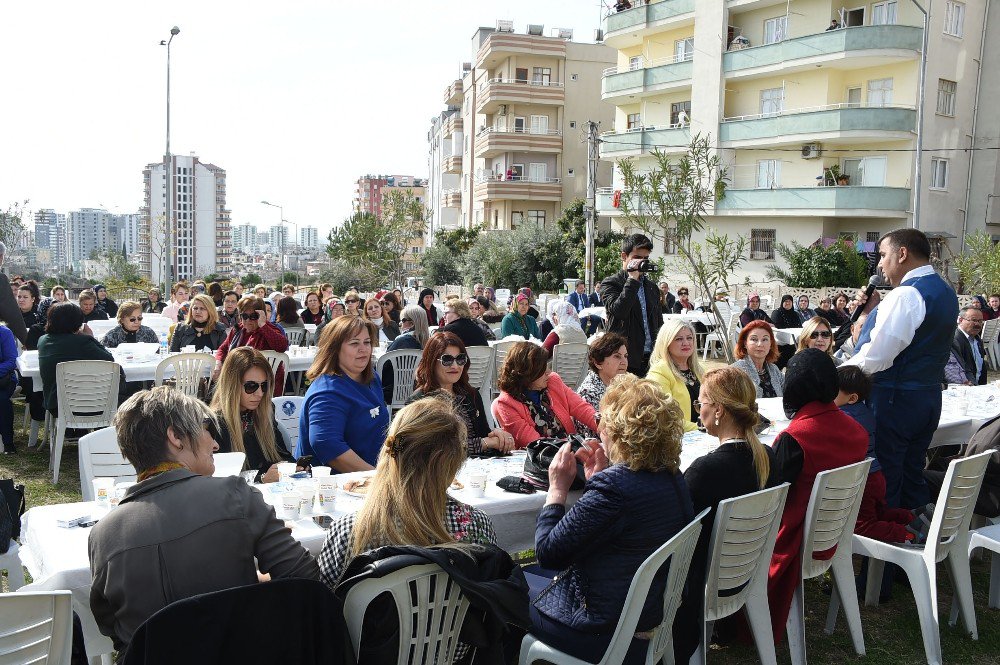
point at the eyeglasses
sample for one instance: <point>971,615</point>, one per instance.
<point>825,334</point>
<point>405,320</point>
<point>249,316</point>
<point>698,404</point>
<point>447,360</point>
<point>682,293</point>
<point>965,318</point>
<point>350,300</point>
<point>250,387</point>
<point>133,319</point>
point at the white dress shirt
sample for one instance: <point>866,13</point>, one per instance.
<point>899,315</point>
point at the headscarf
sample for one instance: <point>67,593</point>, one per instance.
<point>425,292</point>
<point>808,302</point>
<point>810,376</point>
<point>789,298</point>
<point>565,312</point>
<point>752,296</point>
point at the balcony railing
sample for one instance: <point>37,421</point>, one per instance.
<point>812,120</point>
<point>644,139</point>
<point>649,79</point>
<point>641,17</point>
<point>518,91</point>
<point>642,63</point>
<point>492,177</point>
<point>876,201</point>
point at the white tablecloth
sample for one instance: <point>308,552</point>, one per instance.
<point>706,318</point>
<point>787,336</point>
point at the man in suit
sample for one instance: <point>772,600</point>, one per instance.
<point>967,363</point>
<point>632,303</point>
<point>581,301</point>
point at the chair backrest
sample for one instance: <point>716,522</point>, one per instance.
<point>228,464</point>
<point>87,392</point>
<point>480,365</point>
<point>431,609</point>
<point>733,327</point>
<point>36,627</point>
<point>569,361</point>
<point>740,549</point>
<point>277,360</point>
<point>100,457</point>
<point>831,515</point>
<point>678,551</point>
<point>500,350</point>
<point>188,370</point>
<point>955,505</point>
<point>404,368</point>
<point>295,336</point>
<point>286,412</point>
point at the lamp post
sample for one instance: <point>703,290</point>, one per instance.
<point>281,265</point>
<point>168,263</point>
<point>921,95</point>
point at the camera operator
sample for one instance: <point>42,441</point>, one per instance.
<point>632,302</point>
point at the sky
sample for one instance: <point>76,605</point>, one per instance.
<point>295,100</point>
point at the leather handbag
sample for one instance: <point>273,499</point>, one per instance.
<point>540,455</point>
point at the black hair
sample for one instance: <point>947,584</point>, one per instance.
<point>853,380</point>
<point>230,293</point>
<point>64,318</point>
<point>914,240</point>
<point>636,241</point>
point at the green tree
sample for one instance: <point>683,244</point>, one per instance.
<point>979,267</point>
<point>251,279</point>
<point>12,224</point>
<point>289,277</point>
<point>817,266</point>
<point>342,275</point>
<point>458,241</point>
<point>441,265</point>
<point>213,277</point>
<point>538,257</point>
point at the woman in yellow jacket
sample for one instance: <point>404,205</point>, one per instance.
<point>674,365</point>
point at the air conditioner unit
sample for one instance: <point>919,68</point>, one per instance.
<point>535,29</point>
<point>811,150</point>
<point>505,26</point>
<point>564,33</point>
<point>502,109</point>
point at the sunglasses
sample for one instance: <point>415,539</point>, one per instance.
<point>133,319</point>
<point>447,360</point>
<point>350,300</point>
<point>249,316</point>
<point>405,320</point>
<point>825,334</point>
<point>250,387</point>
<point>682,293</point>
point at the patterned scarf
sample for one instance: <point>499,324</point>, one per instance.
<point>544,418</point>
<point>162,467</point>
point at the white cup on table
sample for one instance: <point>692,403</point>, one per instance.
<point>321,471</point>
<point>291,505</point>
<point>103,489</point>
<point>285,470</point>
<point>477,483</point>
<point>326,490</point>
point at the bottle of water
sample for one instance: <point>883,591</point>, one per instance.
<point>164,348</point>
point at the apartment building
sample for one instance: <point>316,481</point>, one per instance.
<point>814,111</point>
<point>309,237</point>
<point>510,148</point>
<point>370,189</point>
<point>199,224</point>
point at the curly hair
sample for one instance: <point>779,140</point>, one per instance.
<point>643,425</point>
<point>525,362</point>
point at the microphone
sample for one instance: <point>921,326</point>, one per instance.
<point>873,282</point>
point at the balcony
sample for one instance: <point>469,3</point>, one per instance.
<point>627,28</point>
<point>885,202</point>
<point>451,198</point>
<point>833,121</point>
<point>491,188</point>
<point>501,45</point>
<point>861,46</point>
<point>453,93</point>
<point>655,76</point>
<point>452,164</point>
<point>511,91</point>
<point>638,141</point>
<point>452,125</point>
<point>491,142</point>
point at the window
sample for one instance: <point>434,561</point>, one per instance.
<point>854,98</point>
<point>775,29</point>
<point>762,244</point>
<point>536,217</point>
<point>772,101</point>
<point>634,63</point>
<point>768,174</point>
<point>865,171</point>
<point>516,219</point>
<point>541,75</point>
<point>880,92</point>
<point>521,74</point>
<point>574,77</point>
<point>634,121</point>
<point>684,49</point>
<point>872,236</point>
<point>537,172</point>
<point>675,114</point>
<point>939,173</point>
<point>946,97</point>
<point>572,124</point>
<point>954,18</point>
<point>884,13</point>
<point>539,124</point>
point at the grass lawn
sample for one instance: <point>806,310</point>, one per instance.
<point>892,630</point>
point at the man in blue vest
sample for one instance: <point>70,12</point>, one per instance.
<point>904,345</point>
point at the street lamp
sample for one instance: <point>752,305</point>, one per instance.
<point>921,95</point>
<point>168,167</point>
<point>281,266</point>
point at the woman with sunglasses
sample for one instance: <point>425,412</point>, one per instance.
<point>683,304</point>
<point>201,329</point>
<point>129,329</point>
<point>444,372</point>
<point>242,403</point>
<point>256,331</point>
<point>392,306</point>
<point>352,303</point>
<point>817,334</point>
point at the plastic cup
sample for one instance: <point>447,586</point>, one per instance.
<point>188,349</point>
<point>326,490</point>
<point>321,471</point>
<point>477,484</point>
<point>285,470</point>
<point>291,505</point>
<point>103,490</point>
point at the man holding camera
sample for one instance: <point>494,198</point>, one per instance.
<point>632,302</point>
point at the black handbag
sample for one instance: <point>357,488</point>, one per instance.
<point>540,455</point>
<point>11,508</point>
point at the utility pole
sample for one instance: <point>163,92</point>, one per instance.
<point>590,209</point>
<point>168,162</point>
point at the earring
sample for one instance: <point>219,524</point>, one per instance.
<point>716,421</point>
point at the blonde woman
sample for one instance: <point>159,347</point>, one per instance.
<point>674,365</point>
<point>202,329</point>
<point>408,503</point>
<point>635,500</point>
<point>817,334</point>
<point>352,303</point>
<point>740,465</point>
<point>242,403</point>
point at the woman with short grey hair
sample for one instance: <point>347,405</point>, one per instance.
<point>179,532</point>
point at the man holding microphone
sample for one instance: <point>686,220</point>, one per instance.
<point>632,302</point>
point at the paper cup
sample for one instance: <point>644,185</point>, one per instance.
<point>321,471</point>
<point>118,493</point>
<point>326,491</point>
<point>285,469</point>
<point>477,484</point>
<point>291,505</point>
<point>103,490</point>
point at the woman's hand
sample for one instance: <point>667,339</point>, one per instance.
<point>271,476</point>
<point>562,472</point>
<point>593,457</point>
<point>499,440</point>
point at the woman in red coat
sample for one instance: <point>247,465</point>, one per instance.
<point>253,330</point>
<point>534,403</point>
<point>819,438</point>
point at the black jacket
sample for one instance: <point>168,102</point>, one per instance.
<point>786,318</point>
<point>468,332</point>
<point>620,295</point>
<point>185,335</point>
<point>489,579</point>
<point>9,311</point>
<point>255,456</point>
<point>961,347</point>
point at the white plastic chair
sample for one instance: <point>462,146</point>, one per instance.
<point>481,368</point>
<point>738,561</point>
<point>988,537</point>
<point>277,360</point>
<point>947,540</point>
<point>11,562</point>
<point>830,518</point>
<point>732,327</point>
<point>36,627</point>
<point>569,361</point>
<point>404,367</point>
<point>678,550</point>
<point>286,412</point>
<point>431,609</point>
<point>295,336</point>
<point>100,457</point>
<point>87,397</point>
<point>188,371</point>
<point>500,350</point>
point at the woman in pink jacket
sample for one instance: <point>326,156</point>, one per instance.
<point>534,403</point>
